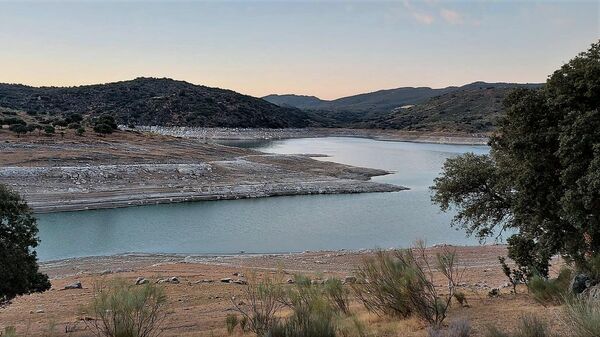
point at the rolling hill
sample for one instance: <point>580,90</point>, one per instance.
<point>152,101</point>
<point>474,107</point>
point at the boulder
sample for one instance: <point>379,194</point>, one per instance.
<point>226,280</point>
<point>140,281</point>
<point>173,280</point>
<point>579,283</point>
<point>74,285</point>
<point>349,280</point>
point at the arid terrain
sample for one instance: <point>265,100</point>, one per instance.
<point>199,303</point>
<point>128,168</point>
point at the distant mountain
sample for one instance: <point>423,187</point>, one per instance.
<point>474,107</point>
<point>152,101</point>
<point>378,101</point>
<point>297,101</point>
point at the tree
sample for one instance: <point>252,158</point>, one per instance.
<point>49,129</point>
<point>104,124</point>
<point>19,129</point>
<point>542,176</point>
<point>18,237</point>
<point>80,131</point>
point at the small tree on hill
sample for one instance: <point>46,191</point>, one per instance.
<point>18,237</point>
<point>19,129</point>
<point>49,129</point>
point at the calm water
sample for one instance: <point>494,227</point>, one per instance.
<point>281,224</point>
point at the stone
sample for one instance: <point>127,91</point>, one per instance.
<point>240,281</point>
<point>495,292</point>
<point>226,280</point>
<point>74,285</point>
<point>141,280</point>
<point>174,280</point>
<point>290,281</point>
<point>349,280</point>
<point>579,283</point>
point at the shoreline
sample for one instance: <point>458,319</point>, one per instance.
<point>124,169</point>
<point>207,134</point>
<point>309,260</point>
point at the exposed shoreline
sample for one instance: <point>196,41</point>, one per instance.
<point>126,169</point>
<point>208,134</point>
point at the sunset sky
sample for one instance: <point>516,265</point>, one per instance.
<point>328,48</point>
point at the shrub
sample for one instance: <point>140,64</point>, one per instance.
<point>515,275</point>
<point>583,315</point>
<point>125,310</point>
<point>529,326</point>
<point>49,129</point>
<point>312,316</point>
<point>337,295</point>
<point>103,128</point>
<point>461,298</point>
<point>231,321</point>
<point>401,284</point>
<point>550,291</point>
<point>80,131</point>
<point>264,301</point>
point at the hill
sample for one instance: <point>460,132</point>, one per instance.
<point>474,107</point>
<point>152,101</point>
<point>378,101</point>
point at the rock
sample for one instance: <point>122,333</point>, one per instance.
<point>75,285</point>
<point>349,280</point>
<point>495,292</point>
<point>141,280</point>
<point>579,283</point>
<point>203,281</point>
<point>290,281</point>
<point>173,280</point>
<point>106,272</point>
<point>226,280</point>
<point>39,311</point>
<point>240,282</point>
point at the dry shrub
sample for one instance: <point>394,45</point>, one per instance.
<point>400,284</point>
<point>124,310</point>
<point>583,316</point>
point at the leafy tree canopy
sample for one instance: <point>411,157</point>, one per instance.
<point>18,237</point>
<point>542,176</point>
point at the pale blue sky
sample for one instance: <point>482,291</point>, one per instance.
<point>327,48</point>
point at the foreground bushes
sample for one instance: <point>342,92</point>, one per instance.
<point>551,291</point>
<point>583,316</point>
<point>529,326</point>
<point>400,284</point>
<point>124,310</point>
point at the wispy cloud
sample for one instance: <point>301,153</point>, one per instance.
<point>419,15</point>
<point>452,17</point>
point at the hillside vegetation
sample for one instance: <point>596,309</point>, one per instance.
<point>151,101</point>
<point>474,107</point>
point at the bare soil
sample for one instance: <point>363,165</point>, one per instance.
<point>199,308</point>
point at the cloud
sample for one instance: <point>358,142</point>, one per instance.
<point>420,16</point>
<point>423,18</point>
<point>452,17</point>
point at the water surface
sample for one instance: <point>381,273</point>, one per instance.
<point>277,224</point>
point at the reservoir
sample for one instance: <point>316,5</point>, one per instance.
<point>277,224</point>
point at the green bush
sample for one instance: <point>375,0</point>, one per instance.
<point>312,316</point>
<point>124,310</point>
<point>551,291</point>
<point>231,321</point>
<point>529,326</point>
<point>264,299</point>
<point>583,316</point>
<point>337,295</point>
<point>400,284</point>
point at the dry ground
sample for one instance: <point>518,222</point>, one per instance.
<point>131,168</point>
<point>199,309</point>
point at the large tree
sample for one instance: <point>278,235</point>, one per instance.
<point>18,237</point>
<point>541,179</point>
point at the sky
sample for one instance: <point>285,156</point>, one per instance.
<point>329,49</point>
